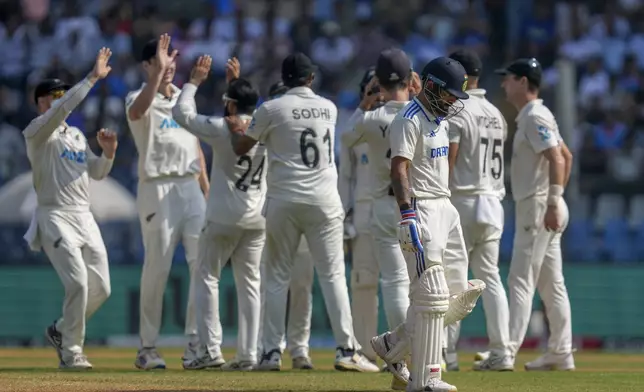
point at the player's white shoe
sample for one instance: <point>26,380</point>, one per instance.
<point>435,385</point>
<point>76,361</point>
<point>55,338</point>
<point>398,369</point>
<point>149,359</point>
<point>302,363</point>
<point>552,361</point>
<point>238,366</point>
<point>494,362</point>
<point>271,361</point>
<point>353,361</point>
<point>205,361</point>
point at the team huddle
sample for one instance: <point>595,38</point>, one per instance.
<point>417,198</point>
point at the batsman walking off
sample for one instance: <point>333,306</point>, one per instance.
<point>430,225</point>
<point>63,225</point>
<point>540,170</point>
<point>477,135</point>
<point>170,202</point>
<point>298,130</point>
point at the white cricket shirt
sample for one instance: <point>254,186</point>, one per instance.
<point>298,130</point>
<point>237,183</point>
<point>480,131</point>
<point>374,129</point>
<point>354,176</point>
<point>164,147</point>
<point>537,131</point>
<point>417,135</point>
<point>60,157</point>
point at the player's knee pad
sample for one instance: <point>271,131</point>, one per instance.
<point>431,294</point>
<point>364,279</point>
<point>462,304</point>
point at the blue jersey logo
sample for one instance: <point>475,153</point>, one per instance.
<point>74,156</point>
<point>169,123</point>
<point>364,159</point>
<point>439,152</point>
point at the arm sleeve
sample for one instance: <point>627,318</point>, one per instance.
<point>185,114</point>
<point>97,167</point>
<point>43,126</point>
<point>403,137</point>
<point>259,125</point>
<point>352,136</point>
<point>346,179</point>
<point>541,134</point>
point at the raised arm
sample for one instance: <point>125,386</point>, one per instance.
<point>43,126</point>
<point>244,136</point>
<point>141,104</point>
<point>99,167</point>
<point>185,114</point>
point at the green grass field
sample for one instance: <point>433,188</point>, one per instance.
<point>35,370</point>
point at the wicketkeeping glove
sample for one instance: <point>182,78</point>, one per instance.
<point>410,233</point>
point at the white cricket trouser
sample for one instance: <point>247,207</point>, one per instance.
<point>364,280</point>
<point>74,245</point>
<point>298,329</point>
<point>536,263</point>
<point>323,228</point>
<point>243,247</point>
<point>170,209</point>
<point>482,240</point>
<point>429,274</point>
<point>394,279</point>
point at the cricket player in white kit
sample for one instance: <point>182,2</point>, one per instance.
<point>235,226</point>
<point>477,135</point>
<point>298,326</point>
<point>392,72</point>
<point>354,188</point>
<point>63,225</point>
<point>298,130</point>
<point>170,202</point>
<point>540,169</point>
<point>430,227</point>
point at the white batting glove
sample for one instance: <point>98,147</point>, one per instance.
<point>410,233</point>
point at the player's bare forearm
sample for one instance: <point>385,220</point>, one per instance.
<point>567,156</point>
<point>144,100</point>
<point>400,181</point>
<point>241,143</point>
<point>557,165</point>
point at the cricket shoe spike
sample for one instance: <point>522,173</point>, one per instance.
<point>462,304</point>
<point>148,358</point>
<point>348,360</point>
<point>552,361</point>
<point>76,361</point>
<point>271,361</point>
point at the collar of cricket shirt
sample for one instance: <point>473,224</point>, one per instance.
<point>477,92</point>
<point>430,117</point>
<point>527,108</point>
<point>302,90</point>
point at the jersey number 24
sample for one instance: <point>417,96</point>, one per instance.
<point>256,179</point>
<point>496,159</point>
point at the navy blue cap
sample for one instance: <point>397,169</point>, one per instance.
<point>530,68</point>
<point>393,65</point>
<point>469,60</point>
<point>48,86</point>
<point>449,74</point>
<point>297,66</point>
<point>150,50</point>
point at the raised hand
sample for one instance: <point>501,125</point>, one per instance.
<point>101,68</point>
<point>415,85</point>
<point>233,69</point>
<point>164,60</point>
<point>108,141</point>
<point>200,70</point>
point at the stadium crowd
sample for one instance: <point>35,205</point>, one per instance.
<point>605,40</point>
